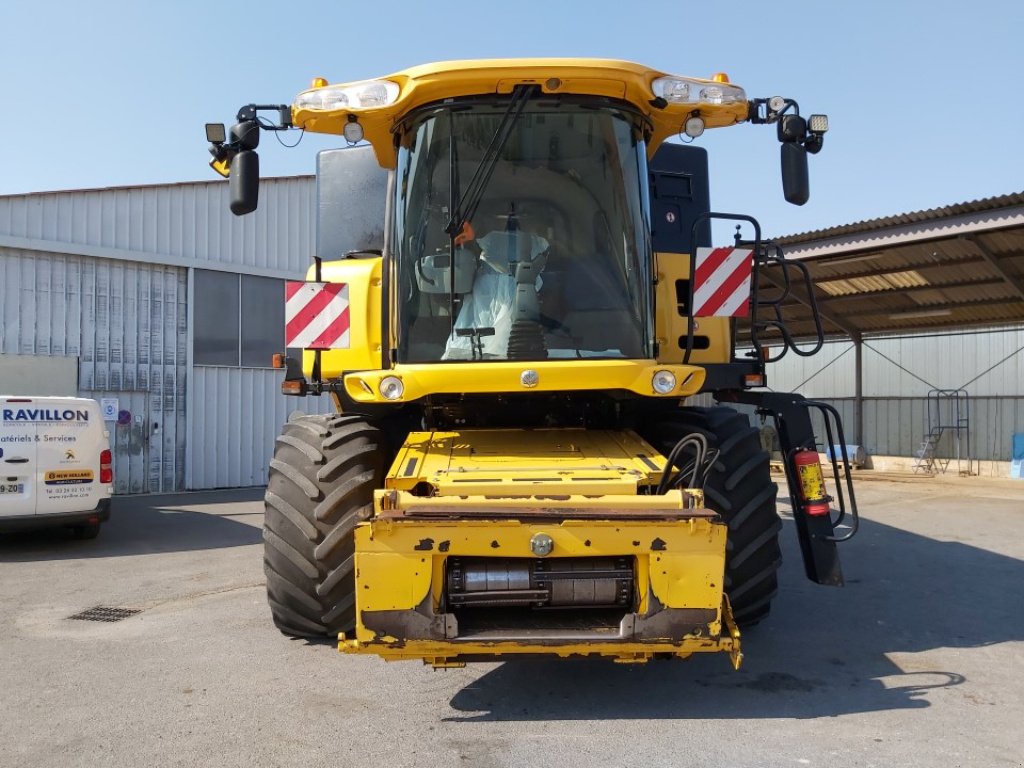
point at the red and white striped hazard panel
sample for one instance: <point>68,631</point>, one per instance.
<point>721,286</point>
<point>316,315</point>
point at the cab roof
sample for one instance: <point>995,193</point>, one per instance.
<point>320,110</point>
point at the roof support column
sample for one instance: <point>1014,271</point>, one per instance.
<point>858,392</point>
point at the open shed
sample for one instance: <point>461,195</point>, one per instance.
<point>944,273</point>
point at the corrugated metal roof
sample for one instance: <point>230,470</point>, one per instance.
<point>951,278</point>
<point>1014,199</point>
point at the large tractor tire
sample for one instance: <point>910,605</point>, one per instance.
<point>739,488</point>
<point>321,483</point>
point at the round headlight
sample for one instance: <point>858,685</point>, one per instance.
<point>663,382</point>
<point>353,132</point>
<point>391,388</point>
<point>694,126</point>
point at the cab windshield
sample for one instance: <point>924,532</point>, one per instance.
<point>550,259</point>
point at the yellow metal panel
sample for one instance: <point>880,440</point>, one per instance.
<point>392,581</point>
<point>682,562</point>
<point>363,277</point>
<point>671,325</point>
<point>679,563</point>
<point>500,376</point>
<point>692,578</point>
<point>433,82</point>
<point>524,462</point>
<point>697,537</point>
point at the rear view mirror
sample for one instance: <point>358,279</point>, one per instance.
<point>245,182</point>
<point>796,185</point>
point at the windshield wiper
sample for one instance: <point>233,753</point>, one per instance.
<point>482,175</point>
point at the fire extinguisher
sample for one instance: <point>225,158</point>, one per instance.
<point>807,468</point>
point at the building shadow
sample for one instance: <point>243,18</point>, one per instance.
<point>151,524</point>
<point>822,652</point>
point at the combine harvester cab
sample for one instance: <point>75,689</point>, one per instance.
<point>513,297</point>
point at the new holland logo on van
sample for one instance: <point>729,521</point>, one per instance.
<point>44,414</point>
<point>68,476</point>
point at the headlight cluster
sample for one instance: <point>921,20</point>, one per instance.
<point>364,95</point>
<point>683,90</point>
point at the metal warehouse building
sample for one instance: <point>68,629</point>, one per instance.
<point>158,298</point>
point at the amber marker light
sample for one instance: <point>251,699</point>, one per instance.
<point>277,360</point>
<point>720,77</point>
<point>319,82</point>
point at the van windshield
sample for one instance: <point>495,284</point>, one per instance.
<point>554,259</point>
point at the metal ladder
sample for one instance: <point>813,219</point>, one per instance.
<point>949,410</point>
<point>924,458</point>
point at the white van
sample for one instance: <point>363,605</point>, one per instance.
<point>56,468</point>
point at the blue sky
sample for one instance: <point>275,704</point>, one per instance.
<point>925,99</point>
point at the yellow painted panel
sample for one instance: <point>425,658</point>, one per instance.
<point>392,581</point>
<point>692,579</point>
<point>400,562</point>
<point>670,325</point>
<point>363,277</point>
<point>524,462</point>
<point>501,376</point>
<point>511,538</point>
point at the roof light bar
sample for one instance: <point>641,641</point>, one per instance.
<point>684,90</point>
<point>363,95</point>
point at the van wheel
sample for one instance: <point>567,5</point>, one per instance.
<point>321,483</point>
<point>87,531</point>
<point>740,489</point>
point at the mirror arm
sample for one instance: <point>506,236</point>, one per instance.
<point>284,116</point>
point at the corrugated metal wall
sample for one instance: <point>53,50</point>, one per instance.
<point>895,426</point>
<point>126,324</point>
<point>986,364</point>
<point>190,222</point>
<point>899,372</point>
<point>127,320</point>
<point>236,415</point>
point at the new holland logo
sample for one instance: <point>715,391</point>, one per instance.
<point>68,476</point>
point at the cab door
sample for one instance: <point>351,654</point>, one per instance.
<point>18,460</point>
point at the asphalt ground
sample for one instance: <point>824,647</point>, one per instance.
<point>918,661</point>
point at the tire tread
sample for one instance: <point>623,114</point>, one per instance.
<point>320,485</point>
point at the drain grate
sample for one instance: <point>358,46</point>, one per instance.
<point>105,613</point>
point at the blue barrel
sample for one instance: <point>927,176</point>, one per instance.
<point>855,453</point>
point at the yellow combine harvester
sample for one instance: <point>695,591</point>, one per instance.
<point>513,296</point>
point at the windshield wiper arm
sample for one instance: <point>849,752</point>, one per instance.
<point>482,175</point>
